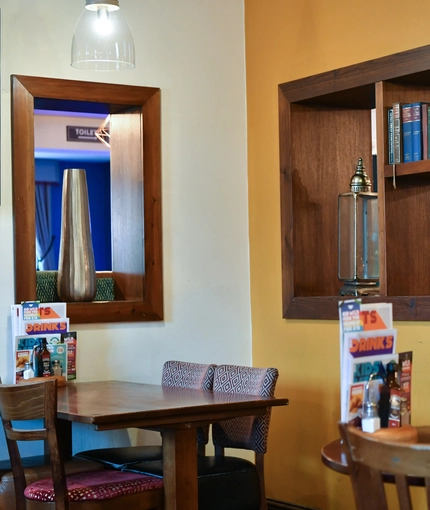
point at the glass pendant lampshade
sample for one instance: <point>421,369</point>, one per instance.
<point>358,260</point>
<point>102,40</point>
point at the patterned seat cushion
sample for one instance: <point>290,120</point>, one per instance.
<point>94,486</point>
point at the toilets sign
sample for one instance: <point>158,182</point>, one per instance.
<point>81,134</point>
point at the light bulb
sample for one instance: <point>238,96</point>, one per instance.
<point>102,23</point>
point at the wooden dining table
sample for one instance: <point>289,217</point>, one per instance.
<point>177,412</point>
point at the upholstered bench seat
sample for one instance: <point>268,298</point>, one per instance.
<point>227,483</point>
<point>36,468</point>
<point>94,486</point>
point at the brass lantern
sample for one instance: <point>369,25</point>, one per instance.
<point>358,261</point>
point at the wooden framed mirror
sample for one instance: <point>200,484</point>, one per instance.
<point>136,224</point>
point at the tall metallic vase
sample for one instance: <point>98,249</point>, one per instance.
<point>76,270</point>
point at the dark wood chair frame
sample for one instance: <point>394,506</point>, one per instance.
<point>39,401</point>
<point>370,458</point>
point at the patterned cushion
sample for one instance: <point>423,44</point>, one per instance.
<point>249,432</point>
<point>182,374</point>
<point>94,485</point>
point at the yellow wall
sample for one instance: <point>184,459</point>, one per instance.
<point>286,40</point>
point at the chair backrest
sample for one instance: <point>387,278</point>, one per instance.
<point>32,402</point>
<point>393,451</point>
<point>183,374</point>
<point>248,432</point>
<point>198,376</point>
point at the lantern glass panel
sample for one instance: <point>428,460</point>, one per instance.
<point>358,237</point>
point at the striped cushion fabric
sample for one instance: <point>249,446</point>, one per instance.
<point>94,486</point>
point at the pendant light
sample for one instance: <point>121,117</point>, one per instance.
<point>102,40</point>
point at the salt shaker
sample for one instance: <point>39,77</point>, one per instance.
<point>28,371</point>
<point>370,421</point>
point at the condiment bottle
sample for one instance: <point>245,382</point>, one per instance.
<point>56,368</point>
<point>385,393</point>
<point>370,421</point>
<point>45,356</point>
<point>404,412</point>
<point>37,362</point>
<point>28,371</point>
<point>395,395</point>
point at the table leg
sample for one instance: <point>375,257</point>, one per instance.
<point>64,432</point>
<point>180,469</point>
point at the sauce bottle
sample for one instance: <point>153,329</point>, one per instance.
<point>45,357</point>
<point>395,395</point>
<point>37,362</point>
<point>384,400</point>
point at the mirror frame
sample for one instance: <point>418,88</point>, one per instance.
<point>147,303</point>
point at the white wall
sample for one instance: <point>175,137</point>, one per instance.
<point>194,51</point>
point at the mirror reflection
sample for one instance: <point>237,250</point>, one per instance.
<point>65,137</point>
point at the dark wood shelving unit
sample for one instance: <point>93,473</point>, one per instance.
<point>325,126</point>
<point>401,169</point>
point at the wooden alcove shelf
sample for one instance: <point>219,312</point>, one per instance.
<point>325,126</point>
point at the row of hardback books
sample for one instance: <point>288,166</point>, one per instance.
<point>408,132</point>
<point>33,324</point>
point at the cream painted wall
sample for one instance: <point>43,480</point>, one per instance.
<point>286,40</point>
<point>194,51</point>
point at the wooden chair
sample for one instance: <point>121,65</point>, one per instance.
<point>90,490</point>
<point>180,374</point>
<point>248,432</point>
<point>403,452</point>
<point>228,482</point>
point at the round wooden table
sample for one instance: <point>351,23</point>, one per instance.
<point>333,457</point>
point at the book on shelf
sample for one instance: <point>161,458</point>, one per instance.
<point>397,133</point>
<point>416,118</point>
<point>408,132</point>
<point>406,116</point>
<point>390,136</point>
<point>425,130</point>
<point>428,131</point>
